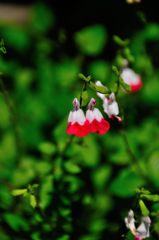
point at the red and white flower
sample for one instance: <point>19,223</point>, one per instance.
<point>142,231</point>
<point>131,78</point>
<point>110,104</point>
<point>77,124</point>
<point>95,119</point>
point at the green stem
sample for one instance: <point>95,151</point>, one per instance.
<point>133,158</point>
<point>83,89</point>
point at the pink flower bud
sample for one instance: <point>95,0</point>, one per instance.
<point>132,79</point>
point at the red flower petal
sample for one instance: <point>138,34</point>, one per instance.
<point>103,126</point>
<point>136,87</point>
<point>77,129</point>
<point>99,127</point>
<point>137,238</point>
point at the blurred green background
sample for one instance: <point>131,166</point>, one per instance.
<point>80,189</point>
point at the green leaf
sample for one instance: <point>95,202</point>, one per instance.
<point>43,167</point>
<point>16,37</point>
<point>64,237</point>
<point>33,201</point>
<point>65,212</point>
<point>144,210</point>
<point>15,221</point>
<point>18,192</point>
<point>100,89</point>
<point>91,40</point>
<point>72,167</point>
<point>100,70</point>
<point>151,32</point>
<point>101,176</point>
<point>46,191</point>
<point>47,148</point>
<point>128,55</point>
<point>42,18</point>
<point>115,70</point>
<point>87,79</point>
<point>151,197</point>
<point>2,47</point>
<point>35,236</point>
<point>153,167</point>
<point>143,191</point>
<point>5,196</point>
<point>126,183</point>
<point>66,72</point>
<point>120,42</point>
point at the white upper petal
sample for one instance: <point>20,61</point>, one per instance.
<point>143,229</point>
<point>100,95</point>
<point>112,96</point>
<point>130,77</point>
<point>77,116</point>
<point>130,222</point>
<point>110,108</point>
<point>94,114</point>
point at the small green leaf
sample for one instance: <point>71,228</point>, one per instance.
<point>144,210</point>
<point>100,69</point>
<point>87,79</point>
<point>125,184</point>
<point>64,237</point>
<point>47,148</point>
<point>143,191</point>
<point>152,198</point>
<point>72,167</point>
<point>120,42</point>
<point>18,192</point>
<point>91,40</point>
<point>2,47</point>
<point>100,89</point>
<point>115,70</point>
<point>128,55</point>
<point>15,222</point>
<point>33,201</point>
<point>41,24</point>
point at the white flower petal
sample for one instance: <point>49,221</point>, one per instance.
<point>77,116</point>
<point>130,77</point>
<point>112,96</point>
<point>89,115</point>
<point>100,95</point>
<point>94,114</point>
<point>111,108</point>
<point>130,222</point>
<point>143,229</point>
<point>97,114</point>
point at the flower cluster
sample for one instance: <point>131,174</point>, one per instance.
<point>142,231</point>
<point>81,124</point>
